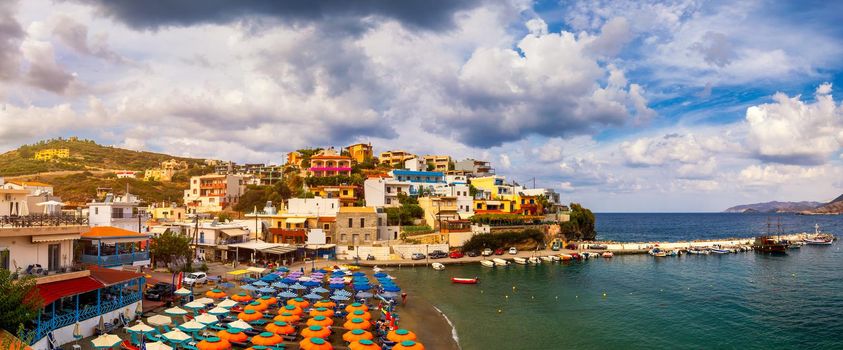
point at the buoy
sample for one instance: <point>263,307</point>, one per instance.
<point>499,310</point>
<point>481,291</point>
<point>557,297</point>
<point>532,297</point>
<point>604,294</point>
<point>506,296</point>
<point>661,290</point>
<point>577,296</point>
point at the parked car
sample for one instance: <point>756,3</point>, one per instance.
<point>456,254</point>
<point>437,254</point>
<point>417,256</point>
<point>160,291</point>
<point>513,251</point>
<point>598,246</point>
<point>195,278</point>
<point>471,253</point>
<point>487,252</point>
<point>499,251</point>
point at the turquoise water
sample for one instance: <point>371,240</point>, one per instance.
<point>745,300</point>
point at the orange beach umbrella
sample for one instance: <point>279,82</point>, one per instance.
<point>233,335</point>
<point>295,310</point>
<point>320,320</point>
<point>267,338</point>
<point>315,344</point>
<point>323,311</point>
<point>325,303</point>
<point>356,306</point>
<point>257,306</point>
<point>241,297</point>
<point>268,300</point>
<point>287,317</point>
<point>357,323</point>
<point>215,293</point>
<point>300,302</point>
<point>280,327</point>
<point>408,345</point>
<point>213,343</point>
<point>357,335</point>
<point>250,315</point>
<point>364,344</point>
<point>359,314</point>
<point>316,331</point>
<point>400,335</point>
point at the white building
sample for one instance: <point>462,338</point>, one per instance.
<point>465,202</point>
<point>383,192</point>
<point>212,193</point>
<point>312,207</point>
<point>126,174</point>
<point>415,164</point>
<point>13,202</point>
<point>122,211</point>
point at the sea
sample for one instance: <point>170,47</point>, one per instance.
<point>736,301</point>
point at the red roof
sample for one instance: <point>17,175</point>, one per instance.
<point>98,232</point>
<point>110,277</point>
<point>53,291</point>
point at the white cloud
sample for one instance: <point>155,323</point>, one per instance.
<point>793,131</point>
<point>504,160</point>
<point>766,175</point>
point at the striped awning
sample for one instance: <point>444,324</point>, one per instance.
<point>279,250</point>
<point>55,238</point>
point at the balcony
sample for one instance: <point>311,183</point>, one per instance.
<point>211,185</point>
<point>127,216</point>
<point>338,169</point>
<point>115,260</point>
<point>42,221</point>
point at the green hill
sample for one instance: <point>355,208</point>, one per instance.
<point>84,155</point>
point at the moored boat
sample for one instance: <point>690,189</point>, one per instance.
<point>767,244</point>
<point>437,266</point>
<point>608,254</point>
<point>566,257</point>
<point>500,262</point>
<point>547,258</point>
<point>534,260</point>
<point>699,251</point>
<point>458,280</point>
<point>519,260</point>
<point>657,252</point>
<point>487,263</point>
<point>555,258</point>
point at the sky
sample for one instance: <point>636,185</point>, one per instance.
<point>631,106</point>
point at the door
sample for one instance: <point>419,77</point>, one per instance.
<point>53,252</point>
<point>4,259</point>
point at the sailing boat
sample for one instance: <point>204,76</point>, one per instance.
<point>768,244</point>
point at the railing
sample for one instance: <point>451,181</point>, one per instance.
<point>41,220</point>
<point>126,216</point>
<point>114,260</point>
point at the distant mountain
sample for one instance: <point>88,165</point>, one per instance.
<point>82,155</point>
<point>833,207</point>
<point>774,207</point>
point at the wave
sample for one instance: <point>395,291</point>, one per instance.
<point>453,328</point>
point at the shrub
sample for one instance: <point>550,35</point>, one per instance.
<point>502,240</point>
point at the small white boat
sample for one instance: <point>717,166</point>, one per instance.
<point>521,261</point>
<point>555,258</point>
<point>500,262</point>
<point>437,266</point>
<point>547,258</point>
<point>377,269</point>
<point>487,263</point>
<point>608,254</point>
<point>534,260</point>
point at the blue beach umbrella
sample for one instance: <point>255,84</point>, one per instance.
<point>390,295</point>
<point>289,280</point>
<point>249,287</point>
<point>313,296</point>
<point>270,277</point>
<point>362,287</point>
<point>339,298</point>
<point>260,284</point>
<point>391,289</point>
<point>283,269</point>
<point>358,274</point>
<point>380,274</point>
<point>311,284</point>
<point>287,294</point>
<point>364,295</point>
<point>336,286</point>
<point>298,287</point>
<point>267,290</point>
<point>319,290</point>
<point>280,285</point>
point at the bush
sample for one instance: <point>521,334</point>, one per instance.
<point>502,240</point>
<point>416,230</point>
<point>203,267</point>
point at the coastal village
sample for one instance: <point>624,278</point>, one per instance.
<point>95,262</point>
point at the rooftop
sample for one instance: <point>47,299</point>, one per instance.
<point>100,232</point>
<point>417,173</point>
<point>357,210</point>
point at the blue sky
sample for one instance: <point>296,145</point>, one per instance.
<point>620,105</point>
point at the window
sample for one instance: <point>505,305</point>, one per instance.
<point>389,201</point>
<point>362,222</point>
<point>345,192</point>
<point>389,190</point>
<point>326,227</point>
<point>350,222</point>
<point>479,205</point>
<point>380,221</point>
<point>343,238</point>
<point>368,237</point>
<point>4,259</point>
<point>96,210</point>
<point>53,251</point>
<point>202,237</point>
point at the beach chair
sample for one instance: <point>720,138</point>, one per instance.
<point>189,347</point>
<point>51,341</point>
<point>152,337</point>
<point>128,346</point>
<point>123,320</point>
<point>167,329</point>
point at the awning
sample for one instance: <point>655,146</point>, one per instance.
<point>256,269</point>
<point>110,277</point>
<point>320,246</point>
<point>296,220</point>
<point>53,291</point>
<point>465,216</point>
<point>235,232</point>
<point>158,229</point>
<point>238,272</point>
<point>279,250</point>
<point>55,238</point>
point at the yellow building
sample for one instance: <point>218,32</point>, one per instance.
<point>395,159</point>
<point>158,174</point>
<point>347,194</point>
<point>294,158</point>
<point>439,163</point>
<point>489,206</point>
<point>168,213</point>
<point>360,152</point>
<point>438,210</point>
<point>52,153</point>
<point>493,186</point>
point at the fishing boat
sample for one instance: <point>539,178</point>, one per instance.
<point>519,260</point>
<point>458,280</point>
<point>546,258</point>
<point>699,251</point>
<point>555,258</point>
<point>608,254</point>
<point>576,256</point>
<point>487,263</point>
<point>657,252</point>
<point>534,260</point>
<point>437,266</point>
<point>500,262</point>
<point>819,238</point>
<point>566,257</point>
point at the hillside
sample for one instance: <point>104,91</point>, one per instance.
<point>833,207</point>
<point>774,207</point>
<point>83,155</point>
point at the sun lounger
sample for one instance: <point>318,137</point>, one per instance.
<point>153,337</point>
